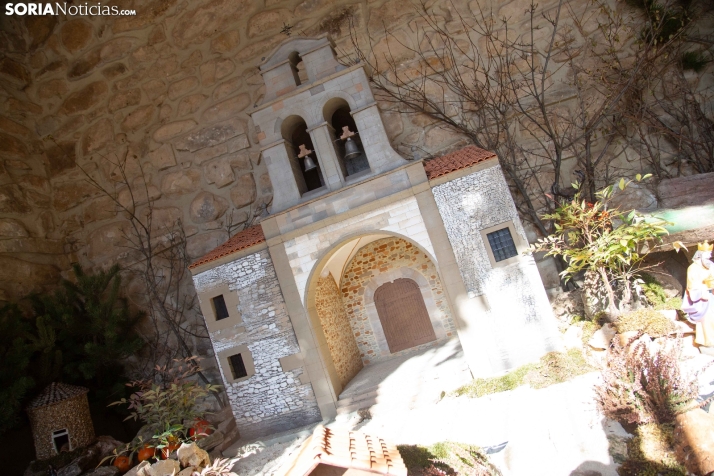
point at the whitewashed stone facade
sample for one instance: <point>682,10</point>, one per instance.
<point>271,400</point>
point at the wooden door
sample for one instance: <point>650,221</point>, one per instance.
<point>403,315</point>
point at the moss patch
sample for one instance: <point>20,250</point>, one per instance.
<point>649,321</point>
<point>553,367</point>
<point>446,457</point>
<point>651,453</point>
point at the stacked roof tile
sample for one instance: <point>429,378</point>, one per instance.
<point>345,449</point>
<point>457,160</point>
<point>240,241</point>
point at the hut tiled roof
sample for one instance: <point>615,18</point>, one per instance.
<point>241,240</point>
<point>457,160</point>
<point>345,449</point>
<point>56,392</point>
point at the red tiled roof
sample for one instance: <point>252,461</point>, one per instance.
<point>240,241</point>
<point>458,160</point>
<point>345,449</point>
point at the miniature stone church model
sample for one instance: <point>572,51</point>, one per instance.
<point>365,255</point>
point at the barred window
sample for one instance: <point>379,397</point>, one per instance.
<point>219,305</point>
<point>237,366</point>
<point>502,244</point>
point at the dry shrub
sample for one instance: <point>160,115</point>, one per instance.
<point>651,452</point>
<point>446,458</point>
<point>648,321</point>
<point>643,386</point>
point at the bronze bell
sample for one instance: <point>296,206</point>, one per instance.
<point>309,163</point>
<point>351,149</point>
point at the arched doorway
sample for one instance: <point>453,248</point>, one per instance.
<point>403,315</point>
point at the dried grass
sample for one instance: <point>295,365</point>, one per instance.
<point>651,452</point>
<point>648,321</point>
<point>446,458</point>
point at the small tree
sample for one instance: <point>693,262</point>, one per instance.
<point>15,354</point>
<point>591,237</point>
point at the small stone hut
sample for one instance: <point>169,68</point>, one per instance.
<point>60,419</point>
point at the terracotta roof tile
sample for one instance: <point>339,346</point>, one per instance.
<point>240,241</point>
<point>55,393</point>
<point>458,160</point>
<point>345,449</point>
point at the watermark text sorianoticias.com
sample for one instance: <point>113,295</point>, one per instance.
<point>85,9</point>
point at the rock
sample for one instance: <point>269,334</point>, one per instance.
<point>225,42</point>
<point>602,337</point>
<point>154,88</point>
<point>52,88</point>
<point>211,441</point>
<point>182,86</point>
<point>627,337</point>
<point>86,98</point>
<point>12,200</point>
<point>243,192</point>
<point>635,196</point>
<point>106,445</point>
<point>131,97</point>
<point>163,157</point>
<point>179,183</point>
<point>192,455</point>
<point>14,71</point>
<point>168,131</point>
<point>268,21</point>
<point>219,172</point>
<point>138,118</point>
<point>215,69</point>
<point>84,65</point>
<point>10,228</point>
<point>189,471</point>
<point>573,338</point>
<point>89,459</point>
<point>211,136</point>
<point>191,104</point>
<point>139,469</point>
<point>97,136</point>
<point>206,207</point>
<point>61,156</point>
<point>12,147</point>
<point>167,467</point>
<point>107,240</point>
<point>694,441</point>
<point>438,137</point>
<point>104,471</point>
<point>116,48</point>
<point>75,34</point>
<point>113,71</point>
<point>226,109</point>
<point>199,245</point>
<point>70,194</point>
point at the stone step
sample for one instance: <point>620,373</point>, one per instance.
<point>349,400</point>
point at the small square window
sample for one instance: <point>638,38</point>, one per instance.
<point>60,438</point>
<point>219,305</point>
<point>502,244</point>
<point>237,366</point>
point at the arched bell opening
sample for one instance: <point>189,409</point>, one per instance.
<point>298,68</point>
<point>346,137</point>
<point>303,158</point>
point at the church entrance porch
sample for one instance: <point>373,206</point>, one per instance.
<point>407,380</point>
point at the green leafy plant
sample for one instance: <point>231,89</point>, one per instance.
<point>15,354</point>
<point>592,237</point>
<point>168,407</point>
<point>85,331</point>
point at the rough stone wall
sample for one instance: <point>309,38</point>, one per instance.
<point>271,400</point>
<point>380,257</point>
<point>338,332</point>
<point>72,415</point>
<point>170,89</point>
<point>520,320</point>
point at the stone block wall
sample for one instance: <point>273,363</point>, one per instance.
<point>520,319</point>
<point>379,258</point>
<point>338,332</point>
<point>271,400</point>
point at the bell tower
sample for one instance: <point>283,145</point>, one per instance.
<point>319,126</point>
